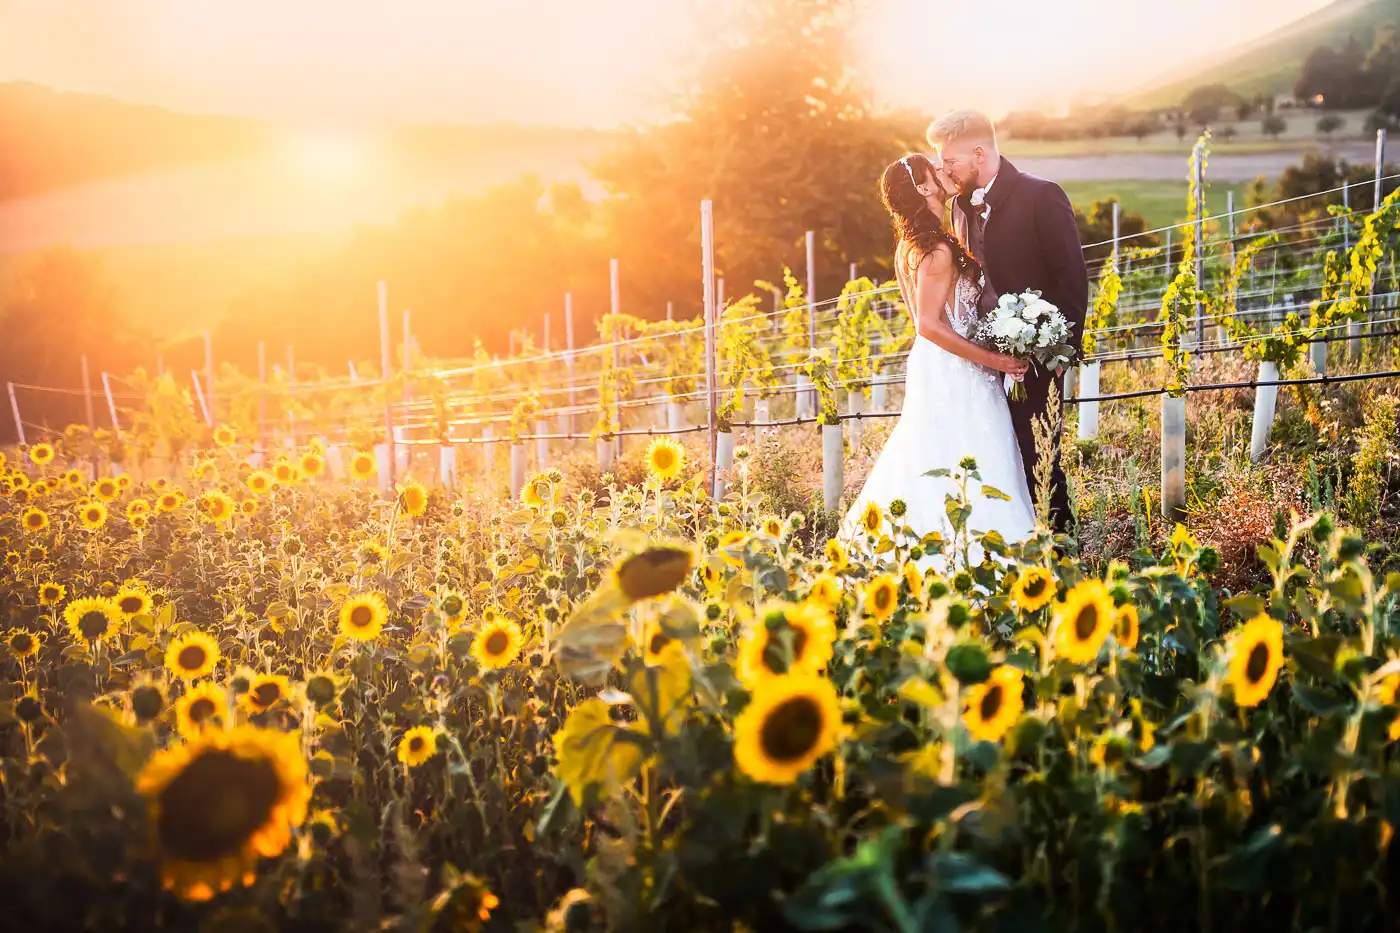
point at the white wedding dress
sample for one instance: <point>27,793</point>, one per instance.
<point>953,408</point>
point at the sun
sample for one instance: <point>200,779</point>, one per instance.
<point>330,156</point>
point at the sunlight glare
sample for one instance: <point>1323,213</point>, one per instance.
<point>330,157</point>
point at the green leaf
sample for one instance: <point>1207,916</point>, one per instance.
<point>961,873</point>
<point>1316,701</point>
<point>968,662</point>
<point>597,757</point>
<point>1269,557</point>
<point>1246,867</point>
<point>991,492</point>
<point>1247,606</point>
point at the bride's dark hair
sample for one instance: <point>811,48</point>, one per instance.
<point>914,222</point>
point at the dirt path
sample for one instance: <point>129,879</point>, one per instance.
<point>1242,167</point>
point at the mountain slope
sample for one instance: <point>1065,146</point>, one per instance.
<point>1270,65</point>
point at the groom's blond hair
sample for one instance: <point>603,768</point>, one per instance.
<point>962,124</point>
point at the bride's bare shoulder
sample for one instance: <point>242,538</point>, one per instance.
<point>937,262</point>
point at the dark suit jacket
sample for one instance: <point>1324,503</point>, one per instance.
<point>1031,242</point>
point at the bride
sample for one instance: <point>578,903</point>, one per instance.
<point>954,402</point>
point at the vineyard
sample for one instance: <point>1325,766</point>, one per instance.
<point>563,640</point>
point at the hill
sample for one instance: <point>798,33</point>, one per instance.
<point>1270,65</point>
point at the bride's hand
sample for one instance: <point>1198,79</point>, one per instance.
<point>1013,367</point>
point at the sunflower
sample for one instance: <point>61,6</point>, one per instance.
<point>34,520</point>
<point>835,555</point>
<point>1083,621</point>
<point>284,473</point>
<point>259,482</point>
<point>13,558</point>
<point>790,722</point>
<point>123,481</point>
<point>881,596</point>
<point>18,481</point>
<point>222,801</point>
<point>1255,659</point>
<point>913,579</point>
<point>665,458</point>
<point>497,644</point>
<point>36,553</point>
<point>41,454</point>
<point>417,746</point>
<point>23,644</point>
<point>170,500</point>
<point>826,590</point>
<point>137,507</point>
<point>733,541</point>
<point>994,705</point>
<point>1125,627</point>
<point>51,594</point>
<point>264,692</point>
<point>362,617</point>
<point>139,523</point>
<point>248,506</point>
<point>73,478</point>
<point>133,600</point>
<point>1034,589</point>
<point>217,506</point>
<point>363,465</point>
<point>92,515</point>
<point>537,491</point>
<point>772,526</point>
<point>224,435</point>
<point>413,499</point>
<point>655,644</point>
<point>92,618</point>
<point>452,606</point>
<point>786,639</point>
<point>202,706</point>
<point>372,554</point>
<point>105,489</point>
<point>312,464</point>
<point>205,470</point>
<point>1386,692</point>
<point>871,519</point>
<point>654,572</point>
<point>192,655</point>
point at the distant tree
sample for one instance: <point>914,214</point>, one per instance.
<point>1227,132</point>
<point>1141,129</point>
<point>1243,110</point>
<point>1339,76</point>
<point>1274,125</point>
<point>1097,226</point>
<point>1389,103</point>
<point>1205,104</point>
<point>1180,129</point>
<point>1329,123</point>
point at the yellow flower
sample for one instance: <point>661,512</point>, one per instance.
<point>731,548</point>
<point>654,572</point>
<point>217,506</point>
<point>34,520</point>
<point>133,600</point>
<point>836,555</point>
<point>790,722</point>
<point>192,655</point>
<point>36,553</point>
<point>881,596</point>
<point>248,506</point>
<point>1255,658</point>
<point>264,692</point>
<point>23,644</point>
<point>1083,621</point>
<point>312,464</point>
<point>826,590</point>
<point>362,617</point>
<point>786,639</point>
<point>417,746</point>
<point>994,706</point>
<point>665,459</point>
<point>1386,692</point>
<point>137,507</point>
<point>1125,627</point>
<point>284,473</point>
<point>655,643</point>
<point>170,500</point>
<point>123,480</point>
<point>537,491</point>
<point>1034,589</point>
<point>224,435</point>
<point>41,454</point>
<point>913,579</point>
<point>871,519</point>
<point>105,489</point>
<point>51,594</point>
<point>497,644</point>
<point>222,801</point>
<point>413,499</point>
<point>92,515</point>
<point>372,554</point>
<point>73,478</point>
<point>363,465</point>
<point>772,526</point>
<point>201,707</point>
<point>92,618</point>
<point>259,482</point>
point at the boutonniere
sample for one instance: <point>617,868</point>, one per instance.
<point>979,197</point>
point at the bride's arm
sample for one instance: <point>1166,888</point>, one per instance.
<point>934,291</point>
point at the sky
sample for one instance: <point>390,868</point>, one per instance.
<point>580,62</point>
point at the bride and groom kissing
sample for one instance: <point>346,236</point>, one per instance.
<point>969,228</point>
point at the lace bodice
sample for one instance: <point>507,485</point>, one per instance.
<point>963,313</point>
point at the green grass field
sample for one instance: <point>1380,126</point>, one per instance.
<point>1161,202</point>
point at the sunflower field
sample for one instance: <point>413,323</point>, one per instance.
<point>242,699</point>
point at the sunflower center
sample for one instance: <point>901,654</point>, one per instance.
<point>497,642</point>
<point>791,729</point>
<point>214,805</point>
<point>659,641</point>
<point>192,657</point>
<point>991,702</point>
<point>883,596</point>
<point>132,604</point>
<point>22,642</point>
<point>51,592</point>
<point>267,693</point>
<point>361,616</point>
<point>1035,586</point>
<point>1257,664</point>
<point>201,709</point>
<point>452,606</point>
<point>35,520</point>
<point>93,515</point>
<point>93,624</point>
<point>1086,622</point>
<point>416,744</point>
<point>663,458</point>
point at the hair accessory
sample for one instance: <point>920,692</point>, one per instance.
<point>910,169</point>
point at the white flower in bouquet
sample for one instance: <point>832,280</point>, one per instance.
<point>1027,327</point>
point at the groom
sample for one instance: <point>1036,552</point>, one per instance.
<point>1021,230</point>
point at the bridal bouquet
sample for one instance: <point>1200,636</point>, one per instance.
<point>1028,327</point>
